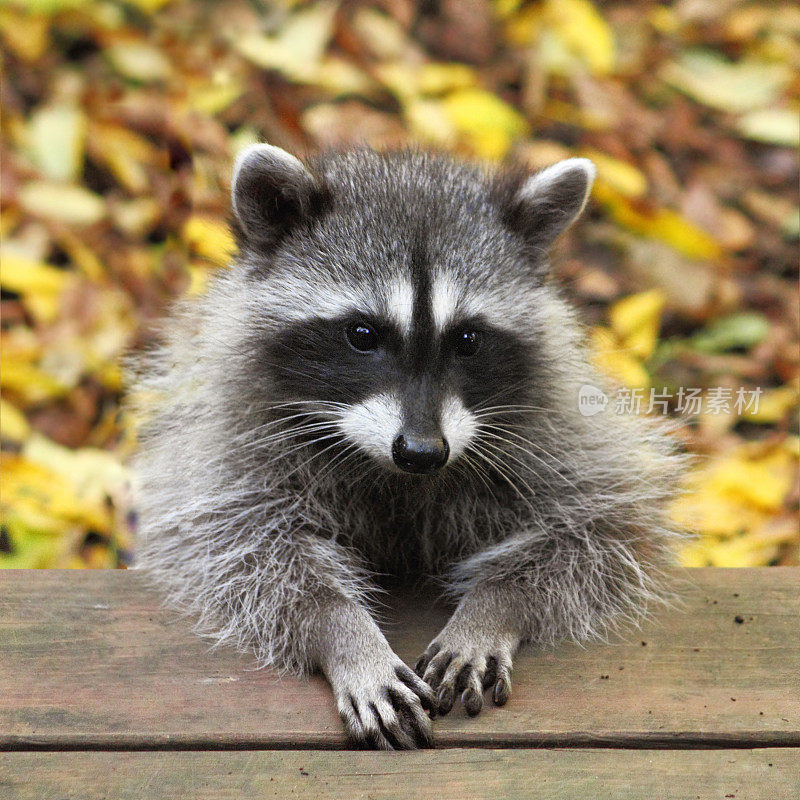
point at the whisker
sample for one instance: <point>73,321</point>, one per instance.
<point>492,460</point>
<point>500,452</point>
<point>488,431</point>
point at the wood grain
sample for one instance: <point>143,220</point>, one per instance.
<point>445,775</point>
<point>90,660</point>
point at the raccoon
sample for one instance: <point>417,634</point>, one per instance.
<point>385,383</point>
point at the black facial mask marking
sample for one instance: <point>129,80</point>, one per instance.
<point>313,360</point>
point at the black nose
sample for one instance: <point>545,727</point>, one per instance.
<point>420,453</point>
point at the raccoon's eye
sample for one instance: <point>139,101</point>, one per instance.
<point>467,342</point>
<point>362,337</point>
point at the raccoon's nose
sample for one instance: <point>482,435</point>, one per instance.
<point>420,454</point>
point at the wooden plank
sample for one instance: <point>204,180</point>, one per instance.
<point>91,660</point>
<point>446,775</point>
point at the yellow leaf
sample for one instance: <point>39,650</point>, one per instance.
<point>139,60</point>
<point>24,276</point>
<point>505,8</point>
<point>737,494</point>
<point>620,175</point>
<point>664,20</point>
<point>542,153</point>
<point>210,239</point>
<point>297,50</point>
<point>56,140</point>
<point>741,552</point>
<point>34,547</point>
<point>694,555</point>
<point>105,136</point>
<point>36,494</point>
<point>27,34</point>
<point>591,118</point>
<point>382,34</point>
<point>765,481</point>
<point>39,284</point>
<point>708,511</point>
<point>51,6</point>
<point>81,255</point>
<point>340,77</point>
<point>711,79</point>
<point>98,556</point>
<point>94,474</point>
<point>137,216</point>
<point>779,126</point>
<point>29,382</point>
<point>436,78</point>
<point>524,27</point>
<point>149,6</point>
<point>43,307</point>
<point>636,321</point>
<point>399,78</point>
<point>773,405</point>
<point>27,517</point>
<point>125,153</point>
<point>662,224</point>
<point>73,205</point>
<point>791,445</point>
<point>13,424</point>
<point>198,279</point>
<point>584,32</point>
<point>211,99</point>
<point>617,361</point>
<point>429,121</point>
<point>489,125</point>
<point>738,552</point>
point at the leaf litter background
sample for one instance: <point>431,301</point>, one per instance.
<point>120,121</point>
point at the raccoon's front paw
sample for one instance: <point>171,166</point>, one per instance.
<point>467,662</point>
<point>383,705</point>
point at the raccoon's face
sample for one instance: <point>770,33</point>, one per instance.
<point>397,295</point>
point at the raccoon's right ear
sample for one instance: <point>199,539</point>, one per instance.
<point>271,193</point>
<point>542,206</point>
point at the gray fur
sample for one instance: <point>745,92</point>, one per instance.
<point>275,548</point>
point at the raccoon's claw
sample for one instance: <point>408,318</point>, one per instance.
<point>388,714</point>
<point>467,670</point>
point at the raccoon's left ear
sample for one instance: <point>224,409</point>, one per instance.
<point>271,193</point>
<point>547,203</point>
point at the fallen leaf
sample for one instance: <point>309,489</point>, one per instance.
<point>489,125</point>
<point>57,139</point>
<point>620,175</point>
<point>583,31</point>
<point>636,320</point>
<point>297,49</point>
<point>139,60</point>
<point>711,79</point>
<point>60,202</point>
<point>14,426</point>
<point>731,332</point>
<point>24,276</point>
<point>210,239</point>
<point>26,32</point>
<point>617,361</point>
<point>664,224</point>
<point>779,126</point>
<point>774,405</point>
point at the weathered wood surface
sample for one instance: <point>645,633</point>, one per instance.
<point>90,660</point>
<point>452,775</point>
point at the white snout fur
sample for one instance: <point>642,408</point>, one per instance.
<point>459,425</point>
<point>374,423</point>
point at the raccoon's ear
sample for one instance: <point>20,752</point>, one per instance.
<point>271,192</point>
<point>547,203</point>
